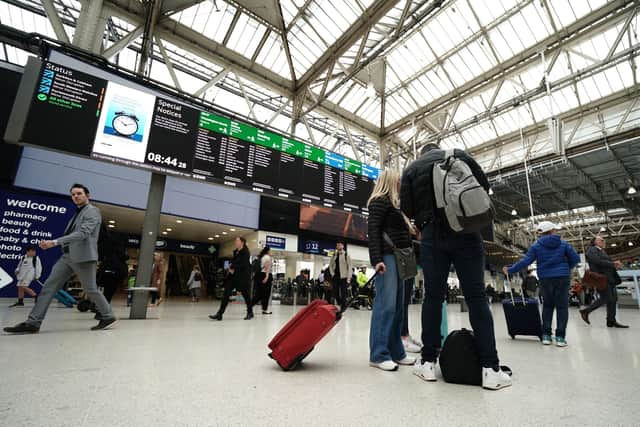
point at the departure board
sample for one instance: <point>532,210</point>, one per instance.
<point>119,123</point>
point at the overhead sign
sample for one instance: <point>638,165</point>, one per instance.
<point>171,245</point>
<point>120,123</point>
<point>275,242</point>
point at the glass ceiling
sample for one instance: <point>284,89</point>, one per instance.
<point>444,76</point>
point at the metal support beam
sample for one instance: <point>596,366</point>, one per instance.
<point>87,27</point>
<point>246,98</point>
<point>56,22</point>
<point>123,43</point>
<point>353,145</point>
<point>153,8</point>
<point>168,63</point>
<point>221,75</point>
<point>623,30</point>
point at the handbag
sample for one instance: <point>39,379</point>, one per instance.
<point>594,280</point>
<point>405,259</point>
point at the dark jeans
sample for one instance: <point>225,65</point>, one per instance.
<point>609,297</point>
<point>262,291</point>
<point>408,291</point>
<point>228,289</point>
<point>466,252</point>
<point>340,292</point>
<point>555,295</point>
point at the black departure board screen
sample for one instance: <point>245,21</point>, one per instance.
<point>116,122</point>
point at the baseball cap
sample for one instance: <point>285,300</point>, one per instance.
<point>546,226</point>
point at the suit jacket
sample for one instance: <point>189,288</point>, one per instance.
<point>82,239</point>
<point>600,262</point>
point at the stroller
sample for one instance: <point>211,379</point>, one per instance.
<point>365,296</point>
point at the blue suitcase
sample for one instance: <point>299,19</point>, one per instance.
<point>65,298</point>
<point>522,316</point>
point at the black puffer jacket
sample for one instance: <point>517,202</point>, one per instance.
<point>417,200</point>
<point>384,217</point>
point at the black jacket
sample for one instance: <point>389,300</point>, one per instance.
<point>242,268</point>
<point>600,262</point>
<point>417,200</point>
<point>383,217</point>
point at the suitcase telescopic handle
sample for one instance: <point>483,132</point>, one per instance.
<point>513,301</point>
<point>353,297</point>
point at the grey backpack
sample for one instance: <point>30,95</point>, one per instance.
<point>466,204</point>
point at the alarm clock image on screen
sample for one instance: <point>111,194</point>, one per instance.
<point>125,124</point>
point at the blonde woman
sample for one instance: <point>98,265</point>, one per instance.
<point>385,344</point>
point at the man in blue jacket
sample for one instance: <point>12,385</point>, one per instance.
<point>555,258</point>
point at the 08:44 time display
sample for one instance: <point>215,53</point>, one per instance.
<point>166,160</point>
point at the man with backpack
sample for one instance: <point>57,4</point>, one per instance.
<point>29,269</point>
<point>445,193</point>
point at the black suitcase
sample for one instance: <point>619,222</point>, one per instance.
<point>522,316</point>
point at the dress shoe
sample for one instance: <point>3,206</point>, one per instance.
<point>216,316</point>
<point>615,324</point>
<point>104,324</point>
<point>249,316</point>
<point>585,316</point>
<point>22,328</point>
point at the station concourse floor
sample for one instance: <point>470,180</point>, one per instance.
<point>182,369</point>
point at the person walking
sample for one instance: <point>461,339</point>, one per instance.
<point>555,258</point>
<point>79,246</point>
<point>157,273</point>
<point>340,267</point>
<point>441,247</point>
<point>600,262</point>
<point>195,283</point>
<point>263,281</point>
<point>240,271</point>
<point>29,269</point>
<point>386,351</point>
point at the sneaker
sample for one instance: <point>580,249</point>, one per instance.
<point>495,379</point>
<point>410,346</point>
<point>546,340</point>
<point>387,365</point>
<point>18,304</point>
<point>425,371</point>
<point>415,341</point>
<point>104,324</point>
<point>407,361</point>
<point>561,342</point>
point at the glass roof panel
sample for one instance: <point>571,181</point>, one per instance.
<point>206,19</point>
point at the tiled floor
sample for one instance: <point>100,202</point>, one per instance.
<point>182,369</point>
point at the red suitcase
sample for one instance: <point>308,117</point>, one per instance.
<point>299,336</point>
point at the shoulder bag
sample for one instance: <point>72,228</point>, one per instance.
<point>405,259</point>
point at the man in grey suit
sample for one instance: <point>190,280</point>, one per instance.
<point>79,246</point>
<point>600,262</point>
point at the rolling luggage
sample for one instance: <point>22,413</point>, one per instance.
<point>299,336</point>
<point>522,316</point>
<point>65,298</point>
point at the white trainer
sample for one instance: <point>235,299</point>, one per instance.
<point>493,380</point>
<point>387,365</point>
<point>410,346</point>
<point>407,361</point>
<point>425,371</point>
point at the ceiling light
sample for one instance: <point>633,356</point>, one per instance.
<point>603,229</point>
<point>232,229</point>
<point>179,221</point>
<point>224,232</point>
<point>111,226</point>
<point>631,190</point>
<point>217,235</point>
<point>209,238</point>
<point>613,245</point>
<point>491,191</point>
<point>514,212</point>
<point>169,229</point>
<point>630,243</point>
<point>165,233</point>
<point>111,221</point>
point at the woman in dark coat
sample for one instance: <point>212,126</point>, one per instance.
<point>240,271</point>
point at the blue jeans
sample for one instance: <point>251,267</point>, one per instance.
<point>466,252</point>
<point>386,319</point>
<point>555,295</point>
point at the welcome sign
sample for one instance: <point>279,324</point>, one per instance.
<point>25,219</point>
